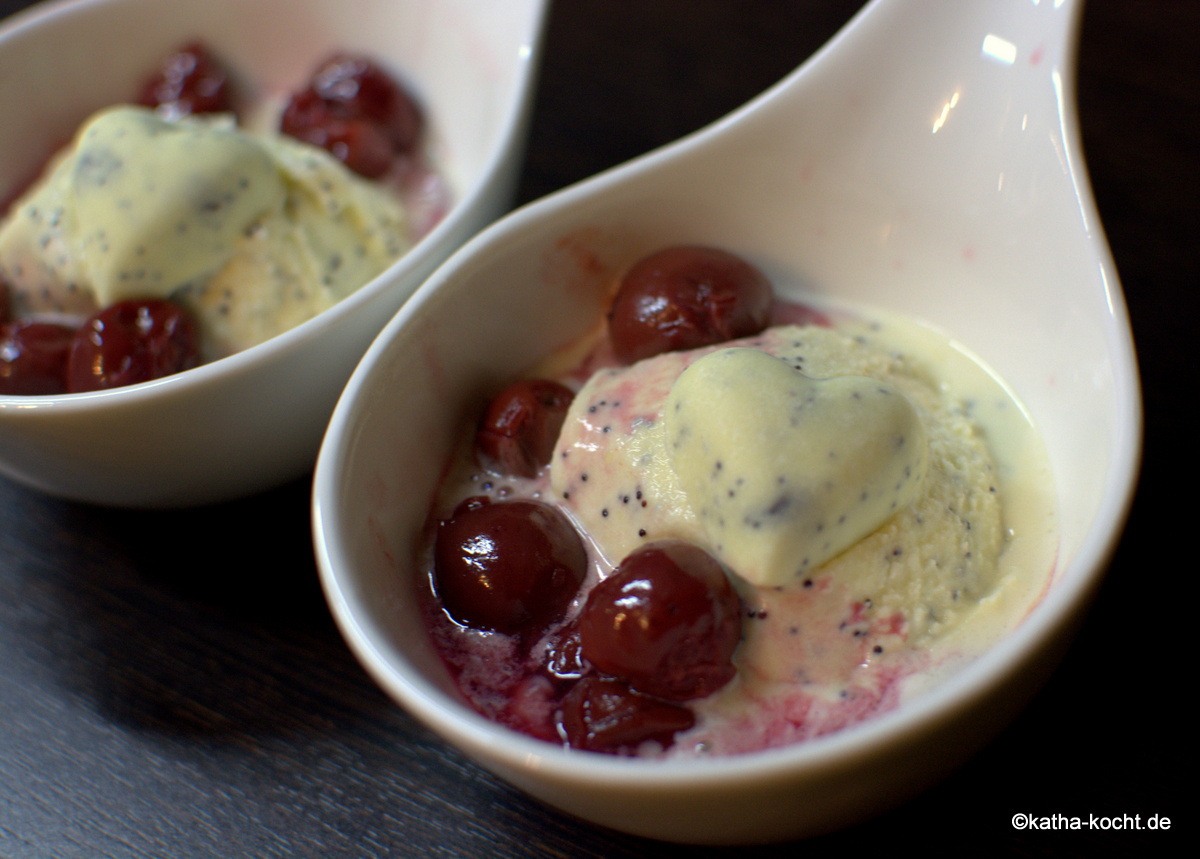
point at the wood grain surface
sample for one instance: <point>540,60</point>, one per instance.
<point>171,684</point>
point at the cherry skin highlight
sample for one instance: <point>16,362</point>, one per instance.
<point>33,358</point>
<point>520,426</point>
<point>353,109</point>
<point>132,341</point>
<point>602,714</point>
<point>667,621</point>
<point>190,81</point>
<point>508,566</point>
<point>355,87</point>
<point>686,297</point>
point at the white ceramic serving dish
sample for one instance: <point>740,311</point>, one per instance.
<point>253,420</point>
<point>926,161</point>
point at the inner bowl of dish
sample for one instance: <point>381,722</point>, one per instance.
<point>254,419</point>
<point>883,215</point>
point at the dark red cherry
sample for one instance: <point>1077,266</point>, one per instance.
<point>307,117</point>
<point>189,81</point>
<point>667,620</point>
<point>358,88</point>
<point>129,342</point>
<point>685,297</point>
<point>353,109</point>
<point>563,659</point>
<point>509,566</point>
<point>521,425</point>
<point>33,358</point>
<point>358,143</point>
<point>601,714</point>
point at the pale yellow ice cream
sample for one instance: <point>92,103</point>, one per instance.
<point>785,471</point>
<point>891,496</point>
<point>255,233</point>
<point>881,499</point>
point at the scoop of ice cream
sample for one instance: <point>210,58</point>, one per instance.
<point>254,233</point>
<point>920,572</point>
<point>785,471</point>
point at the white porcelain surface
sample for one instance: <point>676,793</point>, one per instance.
<point>927,161</point>
<point>255,419</point>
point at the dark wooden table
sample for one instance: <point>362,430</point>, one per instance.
<point>171,684</point>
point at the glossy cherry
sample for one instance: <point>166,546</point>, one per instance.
<point>602,714</point>
<point>33,357</point>
<point>685,297</point>
<point>353,109</point>
<point>359,144</point>
<point>520,426</point>
<point>507,566</point>
<point>356,87</point>
<point>190,81</point>
<point>667,620</point>
<point>129,342</point>
<point>563,658</point>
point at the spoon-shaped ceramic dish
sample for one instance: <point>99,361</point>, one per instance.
<point>255,419</point>
<point>926,161</point>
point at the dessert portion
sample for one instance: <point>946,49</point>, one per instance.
<point>251,233</point>
<point>774,532</point>
<point>246,232</point>
<point>777,470</point>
